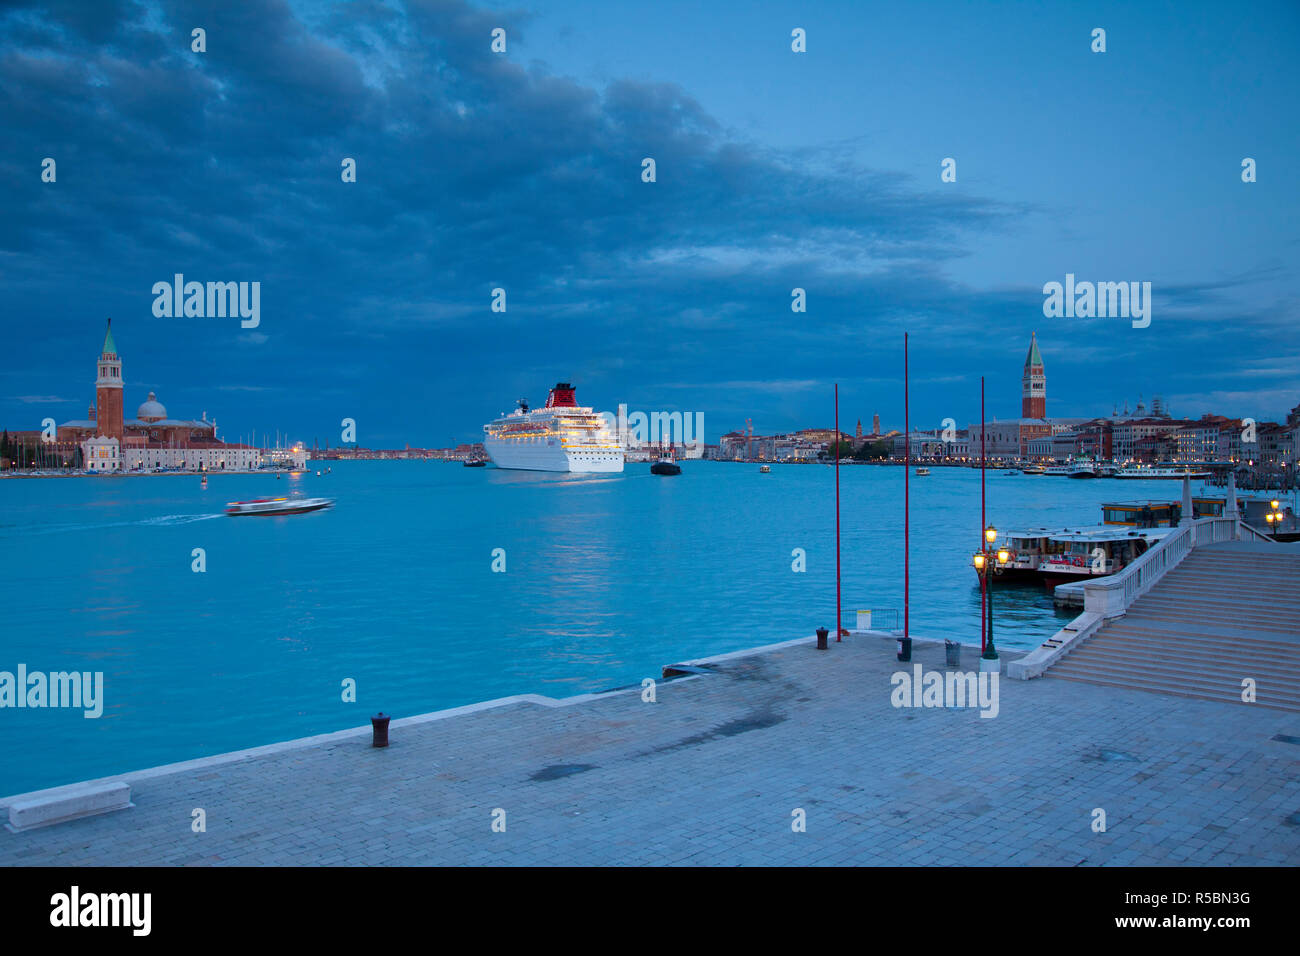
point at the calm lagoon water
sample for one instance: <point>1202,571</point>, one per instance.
<point>607,579</point>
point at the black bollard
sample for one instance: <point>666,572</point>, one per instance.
<point>821,638</point>
<point>379,725</point>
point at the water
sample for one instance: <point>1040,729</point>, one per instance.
<point>607,579</point>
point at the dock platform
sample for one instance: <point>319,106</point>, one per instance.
<point>715,770</point>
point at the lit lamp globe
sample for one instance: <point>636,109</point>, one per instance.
<point>990,534</point>
<point>978,560</point>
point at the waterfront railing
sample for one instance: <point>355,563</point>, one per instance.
<point>1112,596</point>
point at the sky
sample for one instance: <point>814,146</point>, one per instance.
<point>522,170</point>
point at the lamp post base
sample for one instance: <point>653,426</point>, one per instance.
<point>990,664</point>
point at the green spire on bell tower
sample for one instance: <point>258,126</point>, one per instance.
<point>109,347</point>
<point>1034,358</point>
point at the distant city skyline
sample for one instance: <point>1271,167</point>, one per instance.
<point>522,171</point>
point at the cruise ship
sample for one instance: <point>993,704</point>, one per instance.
<point>560,436</point>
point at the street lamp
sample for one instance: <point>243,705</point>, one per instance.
<point>988,562</point>
<point>1274,516</point>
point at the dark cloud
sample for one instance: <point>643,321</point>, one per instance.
<point>473,171</point>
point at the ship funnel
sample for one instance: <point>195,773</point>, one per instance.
<point>562,396</point>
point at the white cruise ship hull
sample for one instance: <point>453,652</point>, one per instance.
<point>550,454</point>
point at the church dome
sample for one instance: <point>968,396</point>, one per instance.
<point>152,410</point>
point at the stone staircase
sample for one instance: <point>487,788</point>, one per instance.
<point>1227,612</point>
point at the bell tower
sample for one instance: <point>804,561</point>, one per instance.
<point>108,390</point>
<point>1033,393</point>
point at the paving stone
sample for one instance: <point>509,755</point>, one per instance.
<point>711,773</point>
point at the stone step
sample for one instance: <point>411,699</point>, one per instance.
<point>1246,591</point>
<point>1212,614</point>
<point>1144,653</point>
<point>1277,686</point>
<point>1229,643</point>
<point>1269,610</point>
<point>1215,618</point>
<point>1258,576</point>
<point>1265,692</point>
<point>1208,574</point>
<point>1220,588</point>
<point>1280,620</point>
<point>1197,695</point>
<point>1276,683</point>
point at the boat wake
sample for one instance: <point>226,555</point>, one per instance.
<point>162,521</point>
<point>168,520</point>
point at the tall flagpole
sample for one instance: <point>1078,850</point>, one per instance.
<point>907,499</point>
<point>984,578</point>
<point>838,627</point>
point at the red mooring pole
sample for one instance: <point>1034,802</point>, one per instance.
<point>907,499</point>
<point>838,628</point>
<point>984,577</point>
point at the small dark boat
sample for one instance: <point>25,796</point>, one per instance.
<point>474,463</point>
<point>665,466</point>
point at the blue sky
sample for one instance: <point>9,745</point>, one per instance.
<point>775,170</point>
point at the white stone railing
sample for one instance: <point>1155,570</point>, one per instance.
<point>1112,596</point>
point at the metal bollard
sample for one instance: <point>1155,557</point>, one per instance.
<point>379,726</point>
<point>821,638</point>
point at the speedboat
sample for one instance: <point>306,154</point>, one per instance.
<point>474,463</point>
<point>922,472</point>
<point>665,466</point>
<point>764,469</point>
<point>277,506</point>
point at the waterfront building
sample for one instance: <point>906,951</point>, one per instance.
<point>1276,444</point>
<point>1012,438</point>
<point>101,453</point>
<point>822,436</point>
<point>737,446</point>
<point>1131,437</point>
<point>152,440</point>
<point>1198,441</point>
<point>1096,440</point>
<point>930,445</point>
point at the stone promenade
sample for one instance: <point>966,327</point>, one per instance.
<point>714,771</point>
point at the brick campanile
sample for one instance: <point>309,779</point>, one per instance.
<point>1033,393</point>
<point>108,390</point>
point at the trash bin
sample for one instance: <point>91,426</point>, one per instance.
<point>821,638</point>
<point>952,652</point>
<point>904,649</point>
